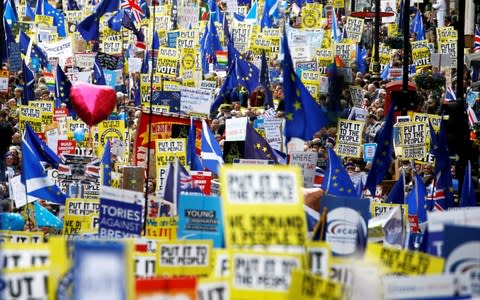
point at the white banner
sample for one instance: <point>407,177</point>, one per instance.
<point>60,49</point>
<point>195,100</point>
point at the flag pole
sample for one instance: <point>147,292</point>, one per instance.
<point>150,111</point>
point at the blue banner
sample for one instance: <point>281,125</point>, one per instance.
<point>200,218</point>
<point>119,219</point>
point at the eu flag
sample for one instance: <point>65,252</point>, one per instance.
<point>225,88</point>
<point>36,51</point>
<point>89,28</point>
<point>62,88</point>
<point>98,75</point>
<point>246,73</point>
<point>257,147</point>
<point>397,194</point>
<point>106,164</point>
<point>417,26</point>
<point>360,60</point>
<point>209,44</point>
<point>304,117</point>
<point>416,201</point>
<point>383,154</point>
<point>336,180</point>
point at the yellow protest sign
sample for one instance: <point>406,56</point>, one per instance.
<point>349,140</point>
<point>311,80</point>
<point>46,107</point>
<point>385,55</point>
<point>44,20</point>
<point>180,258</point>
<point>311,16</point>
<point>22,236</point>
<point>413,140</point>
<point>145,264</point>
<point>59,264</point>
<point>318,258</point>
<point>187,65</point>
<point>263,206</point>
<point>156,109</point>
<point>81,216</point>
<point>307,286</point>
<point>166,150</point>
<point>171,86</point>
<point>73,125</point>
<point>221,263</point>
<point>262,275</point>
<point>399,261</point>
<point>446,33</point>
<point>14,255</point>
<point>31,115</point>
<point>213,287</point>
<point>380,208</point>
<point>167,61</point>
<point>346,51</point>
<point>421,54</point>
<point>324,58</point>
<point>110,129</point>
<point>339,3</point>
<point>147,83</point>
<point>162,228</point>
<point>354,29</point>
<point>28,283</point>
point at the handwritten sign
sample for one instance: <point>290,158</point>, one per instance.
<point>412,137</point>
<point>349,139</point>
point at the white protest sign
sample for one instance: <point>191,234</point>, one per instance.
<point>14,256</point>
<point>17,190</point>
<point>187,16</point>
<point>60,49</point>
<point>264,272</point>
<point>273,133</point>
<point>24,284</point>
<point>195,100</point>
<point>236,129</point>
<point>357,113</point>
<point>134,64</point>
<point>307,162</point>
<point>356,93</point>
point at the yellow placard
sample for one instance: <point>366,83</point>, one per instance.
<point>180,258</point>
<point>318,258</point>
<point>162,228</point>
<point>146,84</point>
<point>446,33</point>
<point>311,16</point>
<point>324,57</point>
<point>167,61</point>
<point>210,286</point>
<point>187,65</point>
<point>354,29</point>
<point>350,138</point>
<point>22,237</point>
<point>307,286</point>
<point>421,54</point>
<point>413,139</point>
<point>263,206</point>
<point>81,216</point>
<point>31,115</point>
<point>399,261</point>
<point>46,107</point>
<point>14,255</point>
<point>44,20</point>
<point>59,264</point>
<point>110,129</point>
<point>262,275</point>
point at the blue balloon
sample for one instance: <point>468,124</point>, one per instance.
<point>11,221</point>
<point>79,135</point>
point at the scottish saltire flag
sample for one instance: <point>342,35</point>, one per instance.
<point>40,150</point>
<point>468,197</point>
<point>28,84</point>
<point>251,17</point>
<point>10,12</point>
<point>212,156</point>
<point>450,94</point>
<point>476,45</point>
<point>304,117</point>
<point>106,164</point>
<point>385,72</point>
<point>37,182</point>
<point>98,75</point>
<point>336,181</point>
<point>29,12</point>
<point>417,26</point>
<point>270,12</point>
<point>436,199</point>
<point>397,194</point>
<point>192,158</point>
<point>383,154</point>
<point>44,218</point>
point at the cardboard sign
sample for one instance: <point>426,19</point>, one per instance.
<point>273,133</point>
<point>200,217</point>
<point>349,139</point>
<point>24,283</point>
<point>31,115</point>
<point>61,49</point>
<point>413,140</point>
<point>369,151</point>
<point>120,213</point>
<point>261,275</point>
<point>406,262</point>
<point>307,161</point>
<point>109,129</point>
<point>307,286</point>
<point>263,206</point>
<point>182,258</point>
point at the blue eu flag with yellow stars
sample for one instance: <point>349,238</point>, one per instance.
<point>257,147</point>
<point>304,117</point>
<point>383,154</point>
<point>336,180</point>
<point>106,164</point>
<point>36,51</point>
<point>62,88</point>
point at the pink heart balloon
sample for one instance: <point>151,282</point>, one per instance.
<point>93,103</point>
